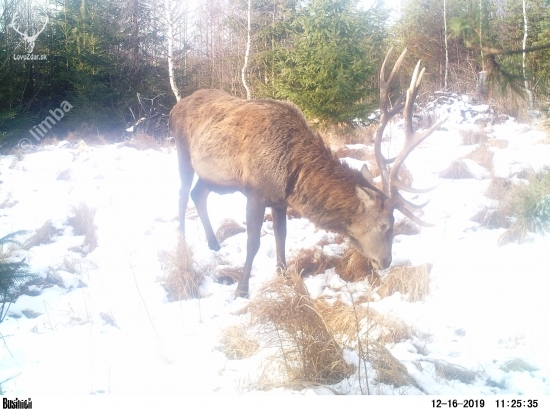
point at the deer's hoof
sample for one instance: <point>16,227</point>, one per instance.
<point>239,293</point>
<point>214,246</point>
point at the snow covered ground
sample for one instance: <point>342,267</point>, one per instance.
<point>486,306</point>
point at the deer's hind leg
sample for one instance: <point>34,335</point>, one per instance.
<point>199,194</point>
<point>186,175</point>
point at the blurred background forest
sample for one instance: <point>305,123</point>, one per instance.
<point>109,59</point>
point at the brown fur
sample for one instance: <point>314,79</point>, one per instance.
<point>266,150</point>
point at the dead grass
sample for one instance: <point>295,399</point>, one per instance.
<point>471,136</point>
<point>483,156</point>
<point>42,236</point>
<point>228,228</point>
<point>181,278</point>
<point>363,329</point>
<point>306,353</point>
<point>413,282</point>
<point>456,170</point>
<point>142,141</point>
<point>498,143</point>
<point>517,365</point>
<point>492,218</point>
<point>77,266</point>
<point>312,261</point>
<point>237,343</point>
<point>354,267</point>
<point>306,337</point>
<point>450,372</point>
<point>82,221</point>
<point>406,227</point>
<point>388,369</point>
<point>228,275</point>
<point>498,188</point>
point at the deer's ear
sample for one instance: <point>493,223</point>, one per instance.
<point>367,196</point>
<point>365,172</point>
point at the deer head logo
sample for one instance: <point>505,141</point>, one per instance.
<point>29,39</point>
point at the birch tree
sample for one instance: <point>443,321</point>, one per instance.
<point>246,54</point>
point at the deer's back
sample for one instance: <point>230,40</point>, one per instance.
<point>251,146</point>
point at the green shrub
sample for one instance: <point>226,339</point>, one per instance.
<point>12,272</point>
<point>529,206</point>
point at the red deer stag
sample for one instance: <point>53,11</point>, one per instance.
<point>266,150</point>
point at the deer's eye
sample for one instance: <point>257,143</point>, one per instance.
<point>383,226</point>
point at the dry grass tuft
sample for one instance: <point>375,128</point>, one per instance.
<point>388,369</point>
<point>457,170</point>
<point>77,266</point>
<point>42,236</point>
<point>363,329</point>
<point>450,372</point>
<point>471,136</point>
<point>413,282</point>
<point>312,261</point>
<point>237,343</point>
<point>498,188</point>
<point>228,228</point>
<point>498,143</point>
<point>517,365</point>
<point>405,175</point>
<point>82,221</point>
<point>181,279</point>
<point>143,142</point>
<point>354,266</point>
<point>228,275</point>
<point>306,352</point>
<point>483,156</point>
<point>406,227</point>
<point>492,218</point>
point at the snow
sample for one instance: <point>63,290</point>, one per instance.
<point>486,305</point>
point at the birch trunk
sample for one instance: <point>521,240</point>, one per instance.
<point>525,82</point>
<point>245,66</point>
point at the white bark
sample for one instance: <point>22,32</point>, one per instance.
<point>245,66</point>
<point>170,33</point>
<point>525,82</point>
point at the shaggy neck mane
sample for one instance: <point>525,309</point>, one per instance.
<point>324,188</point>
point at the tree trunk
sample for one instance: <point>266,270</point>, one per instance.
<point>245,66</point>
<point>525,82</point>
<point>446,44</point>
<point>170,25</point>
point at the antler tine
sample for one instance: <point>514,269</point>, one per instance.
<point>385,117</point>
<point>411,216</point>
<point>412,139</point>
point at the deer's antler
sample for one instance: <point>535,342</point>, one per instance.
<point>390,183</point>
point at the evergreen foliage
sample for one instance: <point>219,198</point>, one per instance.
<point>12,273</point>
<point>327,71</point>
